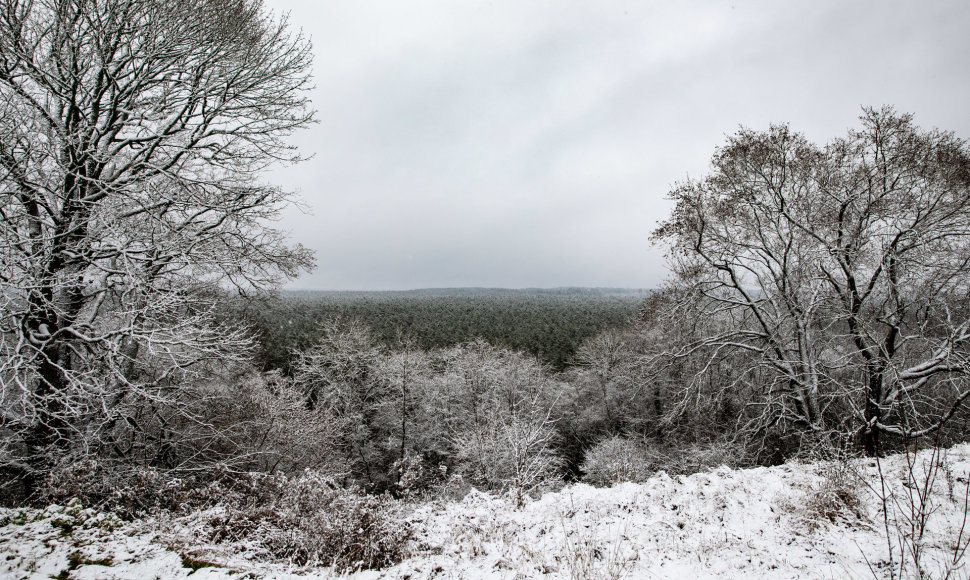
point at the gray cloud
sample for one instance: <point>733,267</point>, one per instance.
<point>533,143</point>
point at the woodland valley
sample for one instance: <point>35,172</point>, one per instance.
<point>790,402</point>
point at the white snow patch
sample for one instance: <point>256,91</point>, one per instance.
<point>778,522</point>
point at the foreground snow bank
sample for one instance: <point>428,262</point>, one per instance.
<point>793,521</point>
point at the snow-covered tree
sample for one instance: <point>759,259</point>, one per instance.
<point>842,269</point>
<point>132,138</point>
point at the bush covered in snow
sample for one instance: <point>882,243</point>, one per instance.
<point>618,459</point>
<point>314,521</point>
<point>615,460</point>
<point>302,519</point>
<point>134,492</point>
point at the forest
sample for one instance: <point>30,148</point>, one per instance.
<point>817,309</point>
<point>547,323</point>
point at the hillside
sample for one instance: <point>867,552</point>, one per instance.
<point>796,520</point>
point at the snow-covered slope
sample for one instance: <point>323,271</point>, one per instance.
<point>793,521</point>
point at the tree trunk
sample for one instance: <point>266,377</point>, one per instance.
<point>49,429</point>
<point>873,413</point>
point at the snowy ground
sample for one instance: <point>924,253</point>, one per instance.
<point>792,521</point>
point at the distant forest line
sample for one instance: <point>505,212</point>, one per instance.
<point>549,323</point>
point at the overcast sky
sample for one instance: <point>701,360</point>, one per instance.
<point>521,143</point>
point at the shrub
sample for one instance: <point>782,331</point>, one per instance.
<point>698,457</point>
<point>305,519</point>
<point>316,522</point>
<point>837,497</point>
<point>615,460</point>
<point>420,478</point>
<point>131,492</point>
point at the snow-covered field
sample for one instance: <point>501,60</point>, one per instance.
<point>793,521</point>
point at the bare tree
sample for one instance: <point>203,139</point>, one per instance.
<point>499,410</point>
<point>132,137</point>
<point>605,361</point>
<point>844,269</point>
<point>340,374</point>
<point>406,372</point>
